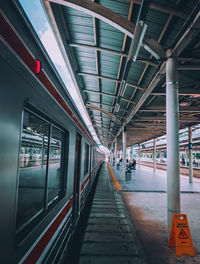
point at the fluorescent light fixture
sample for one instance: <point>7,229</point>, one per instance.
<point>122,88</point>
<point>117,107</point>
<point>140,30</point>
<point>114,118</point>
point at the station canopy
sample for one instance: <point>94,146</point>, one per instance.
<point>117,51</point>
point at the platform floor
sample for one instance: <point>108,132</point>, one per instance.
<point>110,237</point>
<point>145,179</point>
<point>149,213</point>
<point>144,195</point>
<point>130,226</point>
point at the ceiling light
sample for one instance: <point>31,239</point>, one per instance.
<point>117,107</point>
<point>140,30</point>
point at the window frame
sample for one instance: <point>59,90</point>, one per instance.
<point>23,231</point>
<point>86,158</point>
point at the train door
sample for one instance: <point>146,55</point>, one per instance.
<point>77,171</point>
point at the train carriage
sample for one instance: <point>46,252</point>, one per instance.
<point>48,158</point>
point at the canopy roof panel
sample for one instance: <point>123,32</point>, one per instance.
<point>96,37</point>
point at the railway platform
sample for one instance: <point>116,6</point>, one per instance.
<point>110,237</point>
<point>130,225</point>
<point>144,195</point>
<point>146,180</point>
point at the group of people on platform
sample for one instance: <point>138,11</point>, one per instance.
<point>130,165</point>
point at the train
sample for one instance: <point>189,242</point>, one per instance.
<point>49,160</point>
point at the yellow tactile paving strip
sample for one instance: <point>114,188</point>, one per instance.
<point>115,181</point>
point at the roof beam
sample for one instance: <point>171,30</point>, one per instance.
<point>98,116</point>
<point>114,52</point>
<point>100,12</point>
<point>163,109</point>
<point>127,100</point>
<point>146,125</point>
<point>90,47</point>
<point>98,76</point>
<point>135,86</point>
<point>186,67</point>
<point>144,133</point>
<point>111,95</point>
<point>102,128</point>
<point>129,130</point>
<point>181,92</point>
<point>102,111</point>
<point>163,118</point>
<point>97,92</point>
<point>110,79</point>
<point>186,35</point>
<point>165,9</point>
<point>104,104</point>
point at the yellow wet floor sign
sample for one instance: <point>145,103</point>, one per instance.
<point>180,236</point>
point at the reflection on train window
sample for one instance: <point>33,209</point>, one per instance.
<point>86,160</point>
<point>40,171</point>
<point>93,162</point>
<point>55,171</point>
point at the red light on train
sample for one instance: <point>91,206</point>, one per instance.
<point>38,66</point>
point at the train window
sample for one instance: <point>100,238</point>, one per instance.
<point>93,163</point>
<point>41,167</point>
<point>32,167</point>
<point>86,159</point>
<point>55,171</point>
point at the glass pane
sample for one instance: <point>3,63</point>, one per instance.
<point>32,167</point>
<point>55,173</point>
<point>86,161</point>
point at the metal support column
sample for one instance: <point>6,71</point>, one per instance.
<point>190,155</point>
<point>172,111</point>
<point>124,150</point>
<point>115,153</point>
<point>154,155</point>
<point>111,155</point>
<point>139,155</point>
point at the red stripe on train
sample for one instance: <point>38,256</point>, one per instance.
<point>85,181</point>
<point>42,243</point>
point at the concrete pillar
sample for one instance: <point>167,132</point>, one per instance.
<point>115,153</point>
<point>124,150</point>
<point>111,156</point>
<point>190,155</point>
<point>161,156</point>
<point>172,112</point>
<point>139,155</point>
<point>154,155</point>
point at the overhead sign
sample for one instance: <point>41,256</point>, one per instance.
<point>180,236</point>
<point>190,145</point>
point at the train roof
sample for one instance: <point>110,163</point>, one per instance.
<point>22,33</point>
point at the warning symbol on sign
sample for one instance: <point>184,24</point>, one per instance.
<point>183,235</point>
